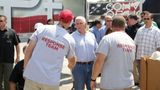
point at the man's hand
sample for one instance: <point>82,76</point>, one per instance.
<point>93,85</point>
<point>71,62</point>
<point>71,66</point>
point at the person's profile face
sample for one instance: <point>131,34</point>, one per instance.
<point>130,21</point>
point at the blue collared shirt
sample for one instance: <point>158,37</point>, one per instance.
<point>98,33</point>
<point>86,46</point>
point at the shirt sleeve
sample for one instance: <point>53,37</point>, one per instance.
<point>103,46</point>
<point>71,51</point>
<point>16,39</point>
<point>158,39</point>
<point>37,33</point>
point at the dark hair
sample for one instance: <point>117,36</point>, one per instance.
<point>144,12</point>
<point>3,16</point>
<point>97,22</point>
<point>147,13</point>
<point>133,16</point>
<point>49,20</point>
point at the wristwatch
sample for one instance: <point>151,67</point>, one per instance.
<point>93,80</point>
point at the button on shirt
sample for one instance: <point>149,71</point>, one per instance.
<point>85,46</point>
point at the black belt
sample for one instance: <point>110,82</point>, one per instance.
<point>90,62</point>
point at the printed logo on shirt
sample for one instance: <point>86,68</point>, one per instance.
<point>126,47</point>
<point>52,44</point>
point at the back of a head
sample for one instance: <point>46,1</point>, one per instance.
<point>66,16</point>
<point>118,22</point>
<point>133,16</point>
<point>37,25</point>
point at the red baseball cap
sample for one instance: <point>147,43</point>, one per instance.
<point>66,16</point>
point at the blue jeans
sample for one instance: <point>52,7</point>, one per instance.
<point>82,76</point>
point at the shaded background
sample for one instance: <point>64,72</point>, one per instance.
<point>153,6</point>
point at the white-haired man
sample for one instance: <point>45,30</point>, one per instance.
<point>85,52</point>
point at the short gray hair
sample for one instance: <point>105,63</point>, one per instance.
<point>81,18</point>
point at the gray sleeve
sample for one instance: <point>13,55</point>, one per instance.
<point>103,46</point>
<point>37,34</point>
<point>71,51</point>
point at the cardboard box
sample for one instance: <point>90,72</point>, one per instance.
<point>150,74</point>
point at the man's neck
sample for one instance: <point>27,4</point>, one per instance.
<point>3,28</point>
<point>82,32</point>
<point>148,25</point>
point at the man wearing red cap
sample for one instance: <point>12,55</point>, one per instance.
<point>45,54</point>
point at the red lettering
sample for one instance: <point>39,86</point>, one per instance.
<point>52,44</point>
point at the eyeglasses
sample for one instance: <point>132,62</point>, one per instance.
<point>146,18</point>
<point>108,20</point>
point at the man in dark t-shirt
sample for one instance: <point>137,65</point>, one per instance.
<point>8,41</point>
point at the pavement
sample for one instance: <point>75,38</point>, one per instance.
<point>66,78</point>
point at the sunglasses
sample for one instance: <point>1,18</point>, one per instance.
<point>146,18</point>
<point>1,21</point>
<point>108,20</point>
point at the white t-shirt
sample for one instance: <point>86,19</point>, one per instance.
<point>52,44</point>
<point>117,70</point>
